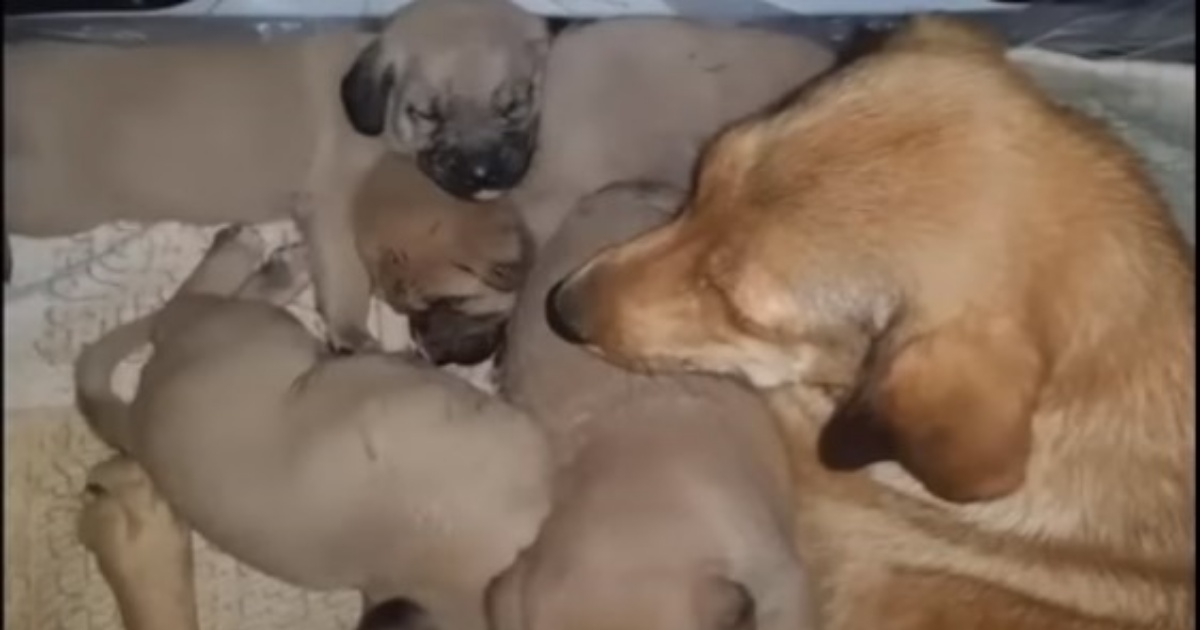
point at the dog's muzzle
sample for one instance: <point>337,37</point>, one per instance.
<point>478,173</point>
<point>448,336</point>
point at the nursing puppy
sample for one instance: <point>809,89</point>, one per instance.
<point>636,98</point>
<point>453,267</point>
<point>671,507</point>
<point>371,472</point>
<point>1016,450</point>
<point>248,132</point>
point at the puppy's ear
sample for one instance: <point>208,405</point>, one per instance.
<point>395,614</point>
<point>365,90</point>
<point>726,605</point>
<point>953,407</point>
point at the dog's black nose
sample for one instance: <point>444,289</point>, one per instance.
<point>561,315</point>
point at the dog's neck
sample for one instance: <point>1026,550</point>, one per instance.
<point>1117,407</point>
<point>1122,387</point>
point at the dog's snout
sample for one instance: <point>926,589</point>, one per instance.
<point>562,313</point>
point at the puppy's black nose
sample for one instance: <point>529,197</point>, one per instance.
<point>561,315</point>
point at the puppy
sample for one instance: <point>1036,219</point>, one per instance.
<point>370,472</point>
<point>997,298</point>
<point>636,98</point>
<point>469,112</point>
<point>671,507</point>
<point>451,266</point>
<point>250,132</point>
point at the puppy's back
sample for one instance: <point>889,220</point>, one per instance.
<point>197,132</point>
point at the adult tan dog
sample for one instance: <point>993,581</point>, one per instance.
<point>671,505</point>
<point>372,472</point>
<point>1023,311</point>
<point>248,132</point>
<point>452,266</point>
<point>635,99</point>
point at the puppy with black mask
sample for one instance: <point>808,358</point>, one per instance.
<point>471,127</point>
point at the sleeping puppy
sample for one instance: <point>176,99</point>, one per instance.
<point>470,125</point>
<point>249,132</point>
<point>371,472</point>
<point>453,267</point>
<point>671,507</point>
<point>636,98</point>
<point>1014,448</point>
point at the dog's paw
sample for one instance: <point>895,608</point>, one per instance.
<point>128,526</point>
<point>354,340</point>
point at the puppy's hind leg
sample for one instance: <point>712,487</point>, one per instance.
<point>143,550</point>
<point>280,279</point>
<point>236,251</point>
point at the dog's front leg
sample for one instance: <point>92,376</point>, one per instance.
<point>340,280</point>
<point>142,548</point>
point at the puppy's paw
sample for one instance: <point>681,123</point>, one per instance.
<point>282,277</point>
<point>238,236</point>
<point>352,340</point>
<point>128,526</point>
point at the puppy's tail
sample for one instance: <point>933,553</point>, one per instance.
<point>106,413</point>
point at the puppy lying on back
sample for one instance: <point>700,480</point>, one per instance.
<point>671,507</point>
<point>635,98</point>
<point>245,132</point>
<point>996,296</point>
<point>453,267</point>
<point>371,472</point>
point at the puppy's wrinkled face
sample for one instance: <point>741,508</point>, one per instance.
<point>457,84</point>
<point>452,267</point>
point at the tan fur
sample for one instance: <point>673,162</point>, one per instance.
<point>142,549</point>
<point>372,472</point>
<point>994,295</point>
<point>671,504</point>
<point>214,133</point>
<point>636,98</point>
<point>421,245</point>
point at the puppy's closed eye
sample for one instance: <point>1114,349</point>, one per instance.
<point>505,276</point>
<point>512,102</point>
<point>429,113</point>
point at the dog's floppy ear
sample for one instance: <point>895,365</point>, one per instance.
<point>953,407</point>
<point>365,89</point>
